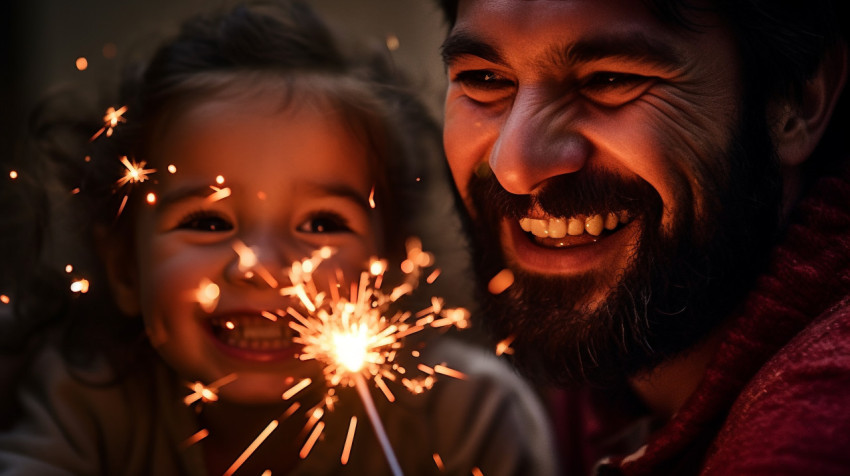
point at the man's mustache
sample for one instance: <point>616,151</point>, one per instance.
<point>585,192</point>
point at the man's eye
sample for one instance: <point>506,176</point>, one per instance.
<point>325,223</point>
<point>484,85</point>
<point>615,89</point>
<point>205,221</point>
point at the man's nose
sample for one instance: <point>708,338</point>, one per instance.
<point>537,142</point>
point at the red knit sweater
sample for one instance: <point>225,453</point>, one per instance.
<point>776,398</point>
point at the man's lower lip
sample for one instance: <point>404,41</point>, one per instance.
<point>580,256</point>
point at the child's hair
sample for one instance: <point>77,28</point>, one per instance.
<point>278,45</point>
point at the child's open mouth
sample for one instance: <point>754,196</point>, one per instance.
<point>253,336</point>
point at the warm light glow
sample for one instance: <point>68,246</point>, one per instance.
<point>392,42</point>
<point>150,198</point>
<point>372,197</point>
<point>4,299</point>
<point>351,348</point>
<point>207,295</point>
<point>82,63</point>
<point>219,179</point>
<point>68,268</point>
<point>13,174</point>
<point>80,286</point>
<point>172,169</point>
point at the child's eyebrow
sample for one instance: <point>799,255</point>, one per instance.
<point>337,190</point>
<point>182,193</point>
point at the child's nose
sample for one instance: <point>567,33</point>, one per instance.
<point>261,263</point>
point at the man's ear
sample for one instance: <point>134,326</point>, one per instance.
<point>799,126</point>
<point>121,270</point>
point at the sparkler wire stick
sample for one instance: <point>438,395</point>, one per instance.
<point>363,390</point>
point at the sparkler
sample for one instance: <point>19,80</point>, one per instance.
<point>356,338</point>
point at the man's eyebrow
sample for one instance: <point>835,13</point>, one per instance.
<point>631,46</point>
<point>460,44</point>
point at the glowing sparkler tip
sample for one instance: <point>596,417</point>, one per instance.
<point>80,286</point>
<point>501,281</point>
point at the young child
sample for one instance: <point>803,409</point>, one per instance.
<point>251,130</point>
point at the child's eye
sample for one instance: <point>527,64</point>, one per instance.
<point>205,221</point>
<point>483,85</point>
<point>325,222</point>
<point>615,89</point>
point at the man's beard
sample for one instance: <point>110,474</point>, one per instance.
<point>682,280</point>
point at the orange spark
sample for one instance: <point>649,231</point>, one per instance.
<point>206,393</point>
<point>82,63</point>
<point>150,198</point>
<point>111,119</point>
<point>349,440</point>
<point>195,438</point>
<point>218,194</point>
<point>80,286</point>
<point>136,172</point>
<point>392,42</point>
<point>68,268</point>
<point>372,197</point>
<point>251,448</point>
<point>4,299</point>
<point>439,462</point>
<point>296,388</point>
<point>501,281</point>
<point>504,346</point>
<point>476,471</point>
<point>13,174</point>
<point>219,179</point>
<point>172,168</point>
<point>207,295</point>
<point>314,436</point>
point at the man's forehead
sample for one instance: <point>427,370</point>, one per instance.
<point>566,32</point>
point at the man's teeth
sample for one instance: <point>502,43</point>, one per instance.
<point>573,226</point>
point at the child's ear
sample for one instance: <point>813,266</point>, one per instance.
<point>799,126</point>
<point>121,270</point>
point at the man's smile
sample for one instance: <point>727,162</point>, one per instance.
<point>551,231</point>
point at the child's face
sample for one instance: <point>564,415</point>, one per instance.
<point>299,180</point>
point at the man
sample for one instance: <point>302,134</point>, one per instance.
<point>667,184</point>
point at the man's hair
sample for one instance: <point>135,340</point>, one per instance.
<point>782,42</point>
